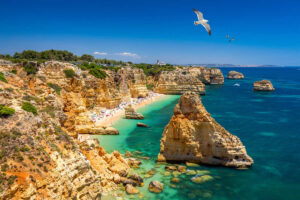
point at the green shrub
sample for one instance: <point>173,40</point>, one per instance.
<point>27,106</point>
<point>69,73</point>
<point>14,71</point>
<point>55,87</point>
<point>30,68</point>
<point>149,86</point>
<point>4,167</point>
<point>6,111</point>
<point>2,77</point>
<point>98,73</point>
<point>95,69</point>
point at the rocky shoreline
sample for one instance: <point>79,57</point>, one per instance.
<point>54,114</point>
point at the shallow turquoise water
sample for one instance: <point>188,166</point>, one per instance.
<point>266,122</point>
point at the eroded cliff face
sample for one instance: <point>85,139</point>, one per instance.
<point>186,79</point>
<point>178,81</point>
<point>38,157</point>
<point>84,92</point>
<point>209,76</point>
<point>192,135</point>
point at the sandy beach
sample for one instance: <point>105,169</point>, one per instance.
<point>108,121</point>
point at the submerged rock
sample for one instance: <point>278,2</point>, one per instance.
<point>155,186</point>
<point>235,75</point>
<point>175,180</point>
<point>181,168</point>
<point>263,85</point>
<point>130,113</point>
<point>202,179</point>
<point>192,135</point>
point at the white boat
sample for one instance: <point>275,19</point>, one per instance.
<point>237,85</point>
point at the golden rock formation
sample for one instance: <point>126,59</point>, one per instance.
<point>192,135</point>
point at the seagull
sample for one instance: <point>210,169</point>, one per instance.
<point>227,36</point>
<point>231,39</point>
<point>202,21</point>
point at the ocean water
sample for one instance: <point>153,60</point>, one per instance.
<point>268,124</point>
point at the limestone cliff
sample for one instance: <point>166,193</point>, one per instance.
<point>38,157</point>
<point>187,79</point>
<point>192,135</point>
<point>178,82</point>
<point>84,92</point>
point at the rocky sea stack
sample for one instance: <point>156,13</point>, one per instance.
<point>235,75</point>
<point>192,135</point>
<point>263,85</point>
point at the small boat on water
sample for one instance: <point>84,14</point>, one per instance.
<point>237,85</point>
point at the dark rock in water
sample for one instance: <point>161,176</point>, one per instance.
<point>137,179</point>
<point>155,186</point>
<point>126,181</point>
<point>139,124</point>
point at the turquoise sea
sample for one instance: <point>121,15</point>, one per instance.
<point>268,124</point>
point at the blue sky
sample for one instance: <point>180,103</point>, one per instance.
<point>265,31</point>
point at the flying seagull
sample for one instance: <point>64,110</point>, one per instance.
<point>231,39</point>
<point>202,21</point>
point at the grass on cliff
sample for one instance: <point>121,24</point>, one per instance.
<point>2,77</point>
<point>152,70</point>
<point>55,87</point>
<point>69,73</point>
<point>27,106</point>
<point>94,70</point>
<point>6,111</point>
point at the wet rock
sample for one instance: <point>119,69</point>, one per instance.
<point>171,168</point>
<point>181,168</point>
<point>175,180</point>
<point>128,154</point>
<point>127,181</point>
<point>130,189</point>
<point>155,187</point>
<point>139,124</point>
<point>189,164</point>
<point>137,179</point>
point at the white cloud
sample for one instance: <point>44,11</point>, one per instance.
<point>100,53</point>
<point>128,54</point>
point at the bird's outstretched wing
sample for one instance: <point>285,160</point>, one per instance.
<point>207,27</point>
<point>199,14</point>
